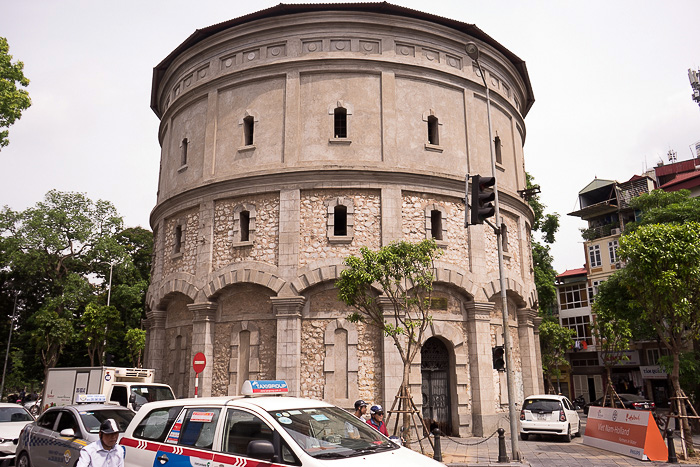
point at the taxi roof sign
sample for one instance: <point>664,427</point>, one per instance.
<point>255,387</point>
<point>91,398</point>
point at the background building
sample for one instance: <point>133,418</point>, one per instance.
<point>292,137</point>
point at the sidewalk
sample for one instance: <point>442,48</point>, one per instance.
<point>550,451</point>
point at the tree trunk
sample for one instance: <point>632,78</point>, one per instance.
<point>406,405</point>
<point>680,403</point>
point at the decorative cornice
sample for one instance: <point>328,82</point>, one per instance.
<point>479,311</point>
<point>203,311</point>
<point>288,306</point>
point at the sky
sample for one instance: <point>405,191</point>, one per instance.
<point>610,80</point>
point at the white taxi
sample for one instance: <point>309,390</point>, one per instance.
<point>265,430</point>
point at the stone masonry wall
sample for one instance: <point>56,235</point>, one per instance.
<point>314,244</point>
<point>414,230</point>
<point>186,260</point>
<point>312,356</point>
<point>265,244</point>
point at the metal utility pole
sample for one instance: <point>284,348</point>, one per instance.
<point>473,52</point>
<point>9,340</point>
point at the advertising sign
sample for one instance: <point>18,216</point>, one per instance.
<point>653,372</point>
<point>630,432</point>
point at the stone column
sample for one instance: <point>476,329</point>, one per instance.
<point>289,221</point>
<point>203,329</point>
<point>288,313</point>
<point>155,347</point>
<point>538,353</point>
<point>528,352</point>
<point>205,239</point>
<point>484,417</point>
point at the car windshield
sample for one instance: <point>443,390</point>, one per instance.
<point>92,419</point>
<point>146,394</point>
<point>331,433</point>
<point>15,414</point>
<point>541,405</point>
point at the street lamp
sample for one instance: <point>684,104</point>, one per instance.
<point>473,52</point>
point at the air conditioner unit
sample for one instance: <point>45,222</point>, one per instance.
<point>618,265</point>
<point>615,232</point>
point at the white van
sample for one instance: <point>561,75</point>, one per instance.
<point>274,430</point>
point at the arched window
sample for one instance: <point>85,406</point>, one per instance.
<point>340,122</point>
<point>248,130</point>
<point>433,130</point>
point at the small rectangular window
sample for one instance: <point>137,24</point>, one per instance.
<point>436,224</point>
<point>340,221</point>
<point>497,146</point>
<point>245,226</point>
<point>183,152</point>
<point>433,133</point>
<point>177,248</point>
<point>156,425</point>
<point>248,130</point>
<point>199,427</point>
<point>340,122</point>
<point>612,247</point>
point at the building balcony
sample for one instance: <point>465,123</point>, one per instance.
<point>600,232</point>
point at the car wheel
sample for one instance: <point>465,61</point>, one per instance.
<point>23,460</point>
<point>567,436</point>
<point>578,433</point>
<point>524,436</point>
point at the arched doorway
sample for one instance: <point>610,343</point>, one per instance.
<point>435,370</point>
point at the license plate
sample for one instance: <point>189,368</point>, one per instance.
<point>541,416</point>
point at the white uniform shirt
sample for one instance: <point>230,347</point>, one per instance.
<point>95,455</point>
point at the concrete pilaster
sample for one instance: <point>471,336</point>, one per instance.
<point>391,215</point>
<point>288,313</point>
<point>538,352</point>
<point>484,417</point>
<point>203,329</point>
<point>205,238</point>
<point>290,206</point>
<point>209,161</point>
<point>389,130</point>
<point>155,351</point>
<point>530,371</point>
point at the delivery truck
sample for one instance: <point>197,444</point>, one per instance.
<point>130,387</point>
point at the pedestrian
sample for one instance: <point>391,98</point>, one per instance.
<point>104,452</point>
<point>360,409</point>
<point>376,419</point>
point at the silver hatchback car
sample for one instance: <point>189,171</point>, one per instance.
<point>548,414</point>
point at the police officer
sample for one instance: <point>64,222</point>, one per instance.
<point>104,452</point>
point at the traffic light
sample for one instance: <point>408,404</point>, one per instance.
<point>482,196</point>
<point>499,358</point>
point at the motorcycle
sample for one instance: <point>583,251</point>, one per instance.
<point>579,402</point>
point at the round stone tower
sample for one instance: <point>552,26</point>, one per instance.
<point>292,137</point>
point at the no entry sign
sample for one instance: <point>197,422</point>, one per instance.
<point>199,362</point>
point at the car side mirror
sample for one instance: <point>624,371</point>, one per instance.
<point>68,433</point>
<point>261,449</point>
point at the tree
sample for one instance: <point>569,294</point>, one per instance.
<point>660,207</point>
<point>555,340</point>
<point>402,274</point>
<point>49,251</point>
<point>98,322</point>
<point>13,101</point>
<point>547,225</point>
<point>612,328</point>
<point>663,277</point>
<point>135,341</point>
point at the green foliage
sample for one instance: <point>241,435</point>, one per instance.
<point>689,371</point>
<point>555,340</point>
<point>13,100</point>
<point>660,207</point>
<point>545,275</point>
<point>403,273</point>
<point>135,341</point>
<point>98,322</point>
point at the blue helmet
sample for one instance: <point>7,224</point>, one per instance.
<point>376,410</point>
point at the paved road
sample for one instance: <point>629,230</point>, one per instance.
<point>537,451</point>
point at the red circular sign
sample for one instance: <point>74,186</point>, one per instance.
<point>199,362</point>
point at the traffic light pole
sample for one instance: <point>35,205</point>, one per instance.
<point>473,53</point>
